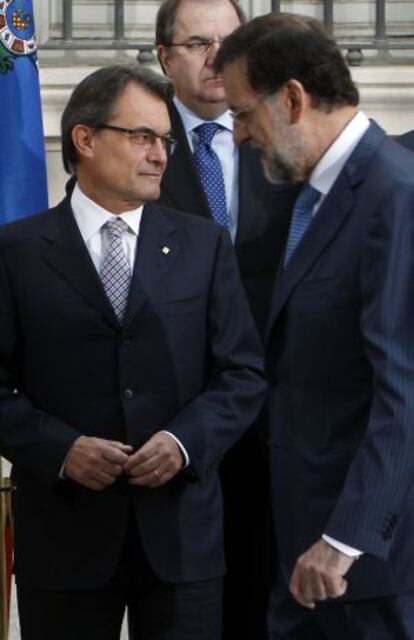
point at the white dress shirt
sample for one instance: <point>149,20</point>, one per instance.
<point>334,159</point>
<point>91,218</point>
<point>227,151</point>
<point>322,178</point>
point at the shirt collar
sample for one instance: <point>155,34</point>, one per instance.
<point>191,120</point>
<point>90,217</point>
<point>334,159</point>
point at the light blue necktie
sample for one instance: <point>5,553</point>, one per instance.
<point>210,172</point>
<point>301,218</point>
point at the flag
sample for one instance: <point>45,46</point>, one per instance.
<point>23,186</point>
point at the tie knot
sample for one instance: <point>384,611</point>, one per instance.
<point>207,131</point>
<point>116,227</point>
<point>307,198</point>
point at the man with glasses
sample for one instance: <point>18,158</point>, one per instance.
<point>209,176</point>
<point>340,338</point>
<point>129,363</point>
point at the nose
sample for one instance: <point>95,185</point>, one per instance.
<point>212,52</point>
<point>158,153</point>
<point>240,132</point>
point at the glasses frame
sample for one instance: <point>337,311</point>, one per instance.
<point>168,141</point>
<point>198,46</point>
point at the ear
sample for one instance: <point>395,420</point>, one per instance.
<point>163,54</point>
<point>296,99</point>
<point>83,140</point>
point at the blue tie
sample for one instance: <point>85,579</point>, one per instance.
<point>301,218</point>
<point>210,172</point>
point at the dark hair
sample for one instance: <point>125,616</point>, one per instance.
<point>167,13</point>
<point>281,47</point>
<point>92,102</point>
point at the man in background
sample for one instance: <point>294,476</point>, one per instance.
<point>210,176</point>
<point>340,354</point>
<point>129,363</point>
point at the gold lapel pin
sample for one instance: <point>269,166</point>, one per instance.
<point>165,250</point>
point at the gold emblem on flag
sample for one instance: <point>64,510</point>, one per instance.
<point>21,19</point>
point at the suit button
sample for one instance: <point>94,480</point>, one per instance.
<point>128,394</point>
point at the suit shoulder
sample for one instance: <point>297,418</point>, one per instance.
<point>25,229</point>
<point>22,225</point>
<point>394,164</point>
<point>406,139</point>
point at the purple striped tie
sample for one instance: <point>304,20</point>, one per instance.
<point>115,271</point>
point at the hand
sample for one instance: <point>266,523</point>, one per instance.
<point>96,463</point>
<point>319,574</point>
<point>155,463</point>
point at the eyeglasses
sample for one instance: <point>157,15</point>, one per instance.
<point>143,137</point>
<point>199,46</point>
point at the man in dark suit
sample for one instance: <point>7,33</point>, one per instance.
<point>406,139</point>
<point>129,364</point>
<point>188,35</point>
<point>340,338</point>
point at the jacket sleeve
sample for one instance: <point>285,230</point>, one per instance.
<point>382,471</point>
<point>32,439</point>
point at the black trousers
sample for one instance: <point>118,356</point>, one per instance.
<point>250,555</point>
<point>156,610</point>
<point>386,618</point>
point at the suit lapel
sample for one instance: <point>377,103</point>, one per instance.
<point>180,179</point>
<point>328,222</point>
<point>156,252</point>
<point>66,253</point>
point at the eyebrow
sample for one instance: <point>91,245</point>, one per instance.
<point>200,38</point>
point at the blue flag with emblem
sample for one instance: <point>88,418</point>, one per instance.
<point>23,186</point>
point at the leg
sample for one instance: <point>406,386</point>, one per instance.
<point>162,611</point>
<point>287,620</point>
<point>70,615</point>
<point>385,618</point>
<point>247,537</point>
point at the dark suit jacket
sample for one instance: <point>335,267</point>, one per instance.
<point>341,364</point>
<point>186,358</point>
<point>263,217</point>
<point>406,139</point>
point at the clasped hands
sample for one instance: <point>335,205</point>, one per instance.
<point>96,463</point>
<point>319,574</point>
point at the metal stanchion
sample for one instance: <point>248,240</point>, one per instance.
<point>6,551</point>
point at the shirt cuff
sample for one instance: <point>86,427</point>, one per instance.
<point>182,448</point>
<point>62,475</point>
<point>344,548</point>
